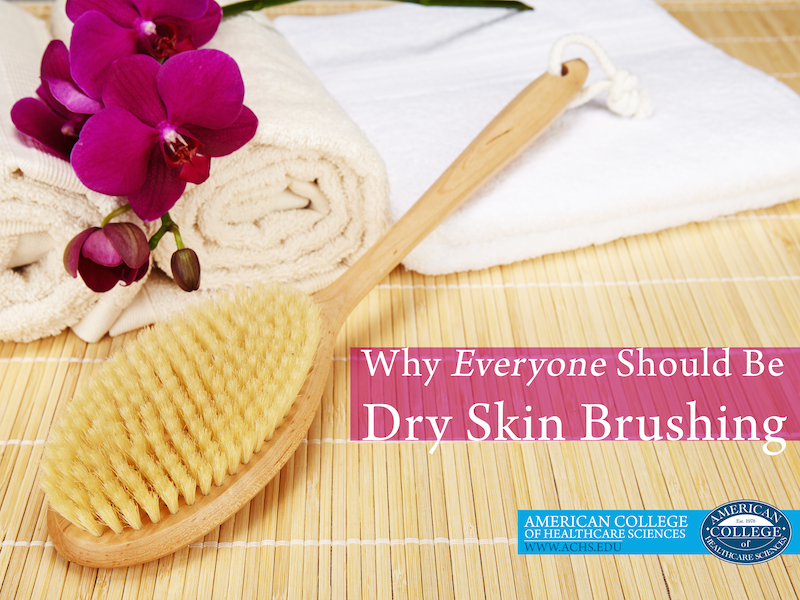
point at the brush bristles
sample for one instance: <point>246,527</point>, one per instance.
<point>181,407</point>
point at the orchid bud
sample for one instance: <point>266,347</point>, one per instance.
<point>186,269</point>
<point>104,256</point>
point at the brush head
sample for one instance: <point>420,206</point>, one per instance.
<point>184,405</point>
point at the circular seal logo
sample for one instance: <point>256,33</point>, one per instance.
<point>746,532</point>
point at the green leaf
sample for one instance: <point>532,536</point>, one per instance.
<point>233,9</point>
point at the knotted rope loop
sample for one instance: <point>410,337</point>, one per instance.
<point>624,96</point>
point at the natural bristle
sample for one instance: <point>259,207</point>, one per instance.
<point>180,408</point>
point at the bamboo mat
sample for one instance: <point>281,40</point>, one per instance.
<point>385,520</point>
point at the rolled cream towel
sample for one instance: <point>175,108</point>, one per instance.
<point>42,206</point>
<point>304,198</point>
<point>298,204</point>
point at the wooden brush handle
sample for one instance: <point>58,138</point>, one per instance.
<point>519,124</point>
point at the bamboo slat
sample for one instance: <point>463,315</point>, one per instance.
<point>379,520</point>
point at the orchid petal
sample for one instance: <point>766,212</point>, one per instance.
<point>99,249</point>
<point>112,154</point>
<point>72,252</point>
<point>131,85</point>
<point>44,93</point>
<point>129,275</point>
<point>201,30</point>
<point>72,97</point>
<point>34,118</point>
<point>182,9</point>
<point>129,241</point>
<point>96,43</point>
<point>221,142</point>
<point>96,277</point>
<point>202,88</point>
<point>196,170</point>
<point>55,61</point>
<point>122,12</point>
<point>159,192</point>
<point>55,72</point>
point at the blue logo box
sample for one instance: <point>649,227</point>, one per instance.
<point>618,531</point>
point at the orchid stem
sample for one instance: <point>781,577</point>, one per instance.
<point>239,7</point>
<point>177,233</point>
<point>167,224</point>
<point>115,213</point>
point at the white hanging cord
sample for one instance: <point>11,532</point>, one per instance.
<point>624,97</point>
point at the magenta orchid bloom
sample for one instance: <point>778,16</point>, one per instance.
<point>164,123</point>
<point>55,118</point>
<point>104,256</point>
<point>106,30</point>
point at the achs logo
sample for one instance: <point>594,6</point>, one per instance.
<point>746,532</point>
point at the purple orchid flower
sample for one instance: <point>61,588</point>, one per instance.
<point>104,256</point>
<point>108,30</point>
<point>55,118</point>
<point>163,123</point>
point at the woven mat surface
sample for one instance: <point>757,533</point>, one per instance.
<point>389,520</point>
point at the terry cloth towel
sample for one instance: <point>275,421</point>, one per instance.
<point>298,204</point>
<point>42,206</point>
<point>301,201</point>
<point>423,81</point>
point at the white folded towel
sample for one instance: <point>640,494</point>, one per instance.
<point>42,206</point>
<point>423,81</point>
<point>298,204</point>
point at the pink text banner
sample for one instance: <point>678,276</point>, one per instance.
<point>540,394</point>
